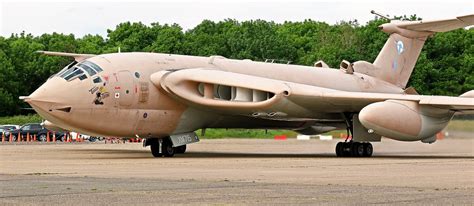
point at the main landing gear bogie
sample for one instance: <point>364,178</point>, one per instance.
<point>354,149</point>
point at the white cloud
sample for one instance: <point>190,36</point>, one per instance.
<point>95,17</point>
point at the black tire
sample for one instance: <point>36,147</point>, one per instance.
<point>155,147</point>
<point>181,149</point>
<point>339,149</point>
<point>167,148</point>
<point>42,137</point>
<point>368,150</point>
<point>346,149</point>
<point>92,139</point>
<point>357,149</point>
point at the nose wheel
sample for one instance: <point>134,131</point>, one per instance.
<point>161,147</point>
<point>354,149</point>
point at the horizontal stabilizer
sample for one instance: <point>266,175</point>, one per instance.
<point>438,25</point>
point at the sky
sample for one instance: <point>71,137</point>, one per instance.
<point>96,16</point>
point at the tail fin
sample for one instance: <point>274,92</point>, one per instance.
<point>398,56</point>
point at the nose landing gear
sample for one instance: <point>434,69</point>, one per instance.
<point>164,147</point>
<point>161,147</point>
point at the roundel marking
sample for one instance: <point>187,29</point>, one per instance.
<point>400,47</point>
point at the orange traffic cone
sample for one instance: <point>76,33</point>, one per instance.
<point>34,138</point>
<point>77,137</point>
<point>47,137</point>
<point>27,137</point>
<point>3,137</point>
<point>19,137</point>
<point>11,138</point>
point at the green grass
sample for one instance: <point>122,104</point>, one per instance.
<point>247,133</point>
<point>21,119</point>
<point>461,125</point>
<point>454,125</point>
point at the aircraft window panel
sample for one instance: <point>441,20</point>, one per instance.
<point>69,71</point>
<point>88,69</point>
<point>62,71</point>
<point>93,66</point>
<point>77,72</point>
<point>97,80</point>
<point>82,77</point>
<point>66,68</point>
<point>70,74</point>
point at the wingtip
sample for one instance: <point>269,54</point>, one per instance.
<point>468,19</point>
<point>24,98</point>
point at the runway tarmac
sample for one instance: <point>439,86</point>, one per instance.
<point>236,172</point>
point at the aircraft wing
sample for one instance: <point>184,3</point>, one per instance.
<point>459,104</point>
<point>77,57</point>
<point>240,94</point>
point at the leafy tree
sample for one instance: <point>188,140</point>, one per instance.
<point>445,66</point>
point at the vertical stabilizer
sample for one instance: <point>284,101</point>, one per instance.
<point>398,56</point>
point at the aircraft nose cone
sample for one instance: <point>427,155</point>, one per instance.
<point>45,99</point>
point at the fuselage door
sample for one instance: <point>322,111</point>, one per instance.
<point>126,84</point>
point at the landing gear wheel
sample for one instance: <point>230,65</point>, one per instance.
<point>354,149</point>
<point>357,149</point>
<point>346,149</point>
<point>181,149</point>
<point>155,147</point>
<point>368,150</point>
<point>167,148</point>
<point>339,149</point>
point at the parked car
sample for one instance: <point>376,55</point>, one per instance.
<point>10,126</point>
<point>2,129</point>
<point>33,129</point>
<point>7,127</point>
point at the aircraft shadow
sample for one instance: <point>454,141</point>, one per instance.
<point>143,154</point>
<point>315,155</point>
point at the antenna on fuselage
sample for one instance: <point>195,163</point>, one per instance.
<point>380,15</point>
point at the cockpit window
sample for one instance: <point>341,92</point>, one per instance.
<point>82,77</point>
<point>73,70</point>
<point>93,66</point>
<point>89,70</point>
<point>65,69</point>
<point>97,80</point>
<point>77,71</point>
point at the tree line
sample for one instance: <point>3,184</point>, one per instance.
<point>445,66</point>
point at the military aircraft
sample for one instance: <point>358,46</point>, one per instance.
<point>165,98</point>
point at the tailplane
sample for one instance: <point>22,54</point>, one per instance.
<point>398,56</point>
